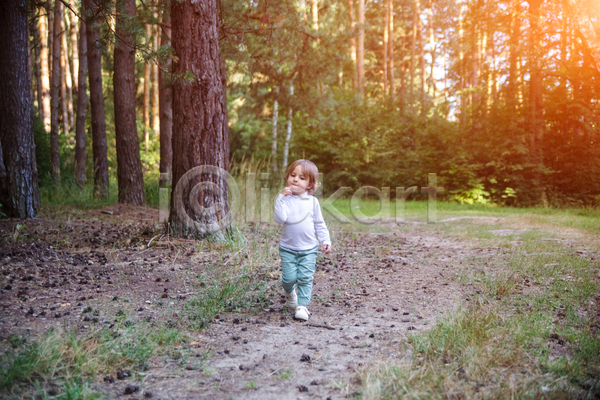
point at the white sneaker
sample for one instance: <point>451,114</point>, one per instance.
<point>291,300</point>
<point>302,313</point>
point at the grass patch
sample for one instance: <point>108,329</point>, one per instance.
<point>414,210</point>
<point>68,193</point>
<point>529,331</point>
<point>241,289</point>
<point>238,279</point>
<point>63,364</point>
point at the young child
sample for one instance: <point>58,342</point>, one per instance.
<point>300,214</point>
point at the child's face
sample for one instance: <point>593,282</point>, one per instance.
<point>298,182</point>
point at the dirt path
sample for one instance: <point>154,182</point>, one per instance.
<point>373,290</point>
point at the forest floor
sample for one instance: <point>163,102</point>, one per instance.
<point>103,303</point>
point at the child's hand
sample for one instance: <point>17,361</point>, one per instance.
<point>287,191</point>
<point>327,249</point>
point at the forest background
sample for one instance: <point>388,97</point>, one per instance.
<point>499,98</point>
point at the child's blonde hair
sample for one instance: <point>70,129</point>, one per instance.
<point>310,170</point>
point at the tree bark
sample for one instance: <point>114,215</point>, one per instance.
<point>286,148</point>
<point>536,101</point>
<point>130,178</point>
<point>386,33</point>
<point>165,98</point>
<point>391,50</point>
<point>73,50</point>
<point>50,13</point>
<point>36,63</point>
<point>564,40</point>
<point>45,85</point>
<point>274,120</point>
<point>146,99</point>
<point>96,100</point>
<point>461,68</point>
<point>413,44</point>
<point>360,49</point>
<point>155,89</point>
<point>421,53</point>
<point>19,196</point>
<point>55,94</point>
<point>314,9</point>
<point>66,81</point>
<point>515,34</point>
<point>402,58</point>
<point>200,130</point>
<point>353,44</point>
<point>82,99</point>
<point>432,51</point>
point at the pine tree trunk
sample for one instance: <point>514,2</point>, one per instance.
<point>36,63</point>
<point>360,49</point>
<point>402,58</point>
<point>314,9</point>
<point>30,62</point>
<point>391,50</point>
<point>386,32</point>
<point>515,35</point>
<point>146,99</point>
<point>475,90</point>
<point>413,45</point>
<point>19,195</point>
<point>274,131</point>
<point>82,99</point>
<point>44,58</point>
<point>353,44</point>
<point>445,68</point>
<point>155,94</point>
<point>493,68</point>
<point>200,130</point>
<point>73,50</point>
<point>50,11</point>
<point>286,148</point>
<point>421,53</point>
<point>55,94</point>
<point>536,101</point>
<point>564,40</point>
<point>67,81</point>
<point>96,101</point>
<point>129,166</point>
<point>165,98</point>
<point>461,69</point>
<point>433,55</point>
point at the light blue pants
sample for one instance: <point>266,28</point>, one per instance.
<point>298,267</point>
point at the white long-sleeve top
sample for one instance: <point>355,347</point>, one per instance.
<point>301,217</point>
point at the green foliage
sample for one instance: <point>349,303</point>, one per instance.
<point>42,151</point>
<point>480,143</point>
<point>474,130</point>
